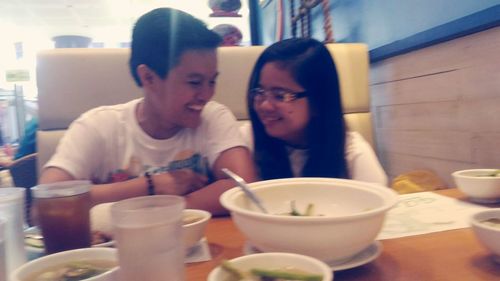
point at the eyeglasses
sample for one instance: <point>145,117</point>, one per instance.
<point>275,96</point>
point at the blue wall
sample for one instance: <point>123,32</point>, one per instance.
<point>390,27</point>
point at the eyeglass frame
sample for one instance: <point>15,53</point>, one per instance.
<point>275,96</point>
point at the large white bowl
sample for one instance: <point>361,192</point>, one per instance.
<point>274,261</point>
<point>477,186</point>
<point>40,264</point>
<point>489,236</point>
<point>353,213</point>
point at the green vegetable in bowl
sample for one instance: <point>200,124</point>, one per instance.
<point>73,271</point>
<point>495,173</point>
<point>294,212</point>
<point>259,274</point>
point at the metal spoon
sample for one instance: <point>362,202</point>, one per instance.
<point>243,185</point>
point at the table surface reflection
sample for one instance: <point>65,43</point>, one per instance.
<point>447,255</point>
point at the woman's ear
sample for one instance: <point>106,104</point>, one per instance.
<point>147,76</point>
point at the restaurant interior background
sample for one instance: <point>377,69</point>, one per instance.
<point>435,92</point>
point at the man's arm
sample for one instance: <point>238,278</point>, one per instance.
<point>175,183</point>
<point>236,159</point>
<point>101,193</point>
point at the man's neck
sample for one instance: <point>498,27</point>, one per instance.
<point>150,123</point>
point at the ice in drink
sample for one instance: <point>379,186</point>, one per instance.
<point>11,231</point>
<point>147,253</point>
<point>148,234</point>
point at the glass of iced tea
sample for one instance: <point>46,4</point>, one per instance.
<point>63,213</point>
<point>148,235</point>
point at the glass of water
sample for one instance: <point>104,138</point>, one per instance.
<point>148,234</point>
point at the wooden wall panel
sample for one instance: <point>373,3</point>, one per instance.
<point>438,108</point>
<point>446,145</point>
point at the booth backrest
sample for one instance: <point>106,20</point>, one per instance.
<point>72,81</point>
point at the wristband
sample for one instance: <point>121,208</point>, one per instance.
<point>151,186</point>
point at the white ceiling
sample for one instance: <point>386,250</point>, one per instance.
<point>103,20</point>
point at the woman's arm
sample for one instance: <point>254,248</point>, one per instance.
<point>236,159</point>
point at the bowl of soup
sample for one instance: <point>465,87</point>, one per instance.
<point>481,185</point>
<point>262,265</point>
<point>328,219</point>
<point>486,227</point>
<point>194,223</point>
<point>89,264</point>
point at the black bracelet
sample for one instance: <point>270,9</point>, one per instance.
<point>151,186</point>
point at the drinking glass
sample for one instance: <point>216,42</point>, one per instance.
<point>148,234</point>
<point>63,213</point>
<point>12,213</point>
<point>3,257</point>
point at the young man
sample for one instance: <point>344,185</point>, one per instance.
<point>174,140</point>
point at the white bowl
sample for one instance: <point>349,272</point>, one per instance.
<point>36,252</point>
<point>488,235</point>
<point>194,231</point>
<point>274,261</point>
<point>353,215</point>
<point>38,265</point>
<point>480,188</point>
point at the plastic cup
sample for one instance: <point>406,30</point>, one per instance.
<point>148,234</point>
<point>63,213</point>
<point>3,257</point>
<point>12,213</point>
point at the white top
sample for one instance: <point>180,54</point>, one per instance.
<point>106,144</point>
<point>361,160</point>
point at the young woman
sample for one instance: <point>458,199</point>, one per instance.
<point>297,120</point>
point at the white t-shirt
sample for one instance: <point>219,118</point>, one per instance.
<point>106,144</point>
<point>361,160</point>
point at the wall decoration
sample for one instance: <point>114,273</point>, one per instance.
<point>225,8</point>
<point>231,35</point>
<point>302,15</point>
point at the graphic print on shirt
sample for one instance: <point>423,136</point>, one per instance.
<point>186,159</point>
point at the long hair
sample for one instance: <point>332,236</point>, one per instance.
<point>311,65</point>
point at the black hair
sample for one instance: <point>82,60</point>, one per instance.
<point>312,66</point>
<point>161,36</point>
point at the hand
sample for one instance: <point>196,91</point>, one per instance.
<point>178,182</point>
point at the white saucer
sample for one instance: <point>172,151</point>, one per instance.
<point>36,252</point>
<point>367,255</point>
<point>484,200</point>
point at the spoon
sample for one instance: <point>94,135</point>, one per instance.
<point>243,185</point>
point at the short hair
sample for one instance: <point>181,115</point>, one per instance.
<point>312,66</point>
<point>161,36</point>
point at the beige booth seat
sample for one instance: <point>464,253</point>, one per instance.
<point>72,81</point>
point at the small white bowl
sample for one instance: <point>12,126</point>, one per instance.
<point>194,231</point>
<point>36,252</point>
<point>40,264</point>
<point>275,261</point>
<point>488,235</point>
<point>479,187</point>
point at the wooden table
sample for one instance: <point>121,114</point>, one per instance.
<point>448,255</point>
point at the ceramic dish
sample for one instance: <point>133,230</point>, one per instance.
<point>63,258</point>
<point>317,217</point>
<point>274,261</point>
<point>36,252</point>
<point>364,257</point>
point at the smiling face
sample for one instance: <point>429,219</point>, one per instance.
<point>283,120</point>
<point>176,102</point>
